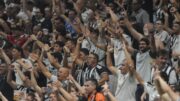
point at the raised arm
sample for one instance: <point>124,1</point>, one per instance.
<point>50,57</point>
<point>26,43</point>
<point>9,78</point>
<point>2,97</point>
<point>103,78</point>
<point>80,4</point>
<point>98,45</point>
<point>166,23</point>
<point>152,40</point>
<point>129,59</point>
<point>57,7</point>
<point>78,86</point>
<point>114,17</point>
<point>65,94</point>
<point>78,45</point>
<point>134,33</point>
<point>35,85</point>
<point>3,34</point>
<point>21,75</point>
<point>166,88</point>
<point>44,70</point>
<point>107,93</point>
<point>39,43</point>
<point>65,59</point>
<point>109,60</point>
<point>5,57</point>
<point>4,25</point>
<point>76,27</point>
<point>23,78</point>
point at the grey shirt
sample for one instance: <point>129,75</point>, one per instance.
<point>142,16</point>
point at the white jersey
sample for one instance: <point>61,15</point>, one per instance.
<point>174,45</point>
<point>15,64</point>
<point>152,91</point>
<point>163,36</point>
<point>143,65</point>
<point>126,87</point>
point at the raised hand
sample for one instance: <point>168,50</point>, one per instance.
<point>33,37</point>
<point>25,64</point>
<point>70,77</point>
<point>46,47</point>
<point>156,74</point>
<point>73,56</point>
<point>110,49</point>
<point>33,57</point>
<point>66,49</point>
<point>105,88</point>
<point>57,84</point>
<point>173,9</point>
<point>80,40</point>
<point>108,9</point>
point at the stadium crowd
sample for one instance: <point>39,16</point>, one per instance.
<point>89,50</point>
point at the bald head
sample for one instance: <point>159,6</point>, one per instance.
<point>63,73</point>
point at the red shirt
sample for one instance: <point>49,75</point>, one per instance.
<point>19,41</point>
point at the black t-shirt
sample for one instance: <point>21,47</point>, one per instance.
<point>6,89</point>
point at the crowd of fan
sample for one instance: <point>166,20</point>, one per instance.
<point>90,50</point>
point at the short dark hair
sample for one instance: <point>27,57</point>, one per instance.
<point>96,56</point>
<point>85,51</point>
<point>73,41</point>
<point>60,19</point>
<point>163,52</point>
<point>94,81</point>
<point>146,40</point>
<point>19,49</point>
<point>59,43</point>
<point>58,56</point>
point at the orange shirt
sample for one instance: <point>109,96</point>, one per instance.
<point>97,97</point>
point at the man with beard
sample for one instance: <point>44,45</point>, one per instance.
<point>144,56</point>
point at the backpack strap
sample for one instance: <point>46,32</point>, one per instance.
<point>168,70</point>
